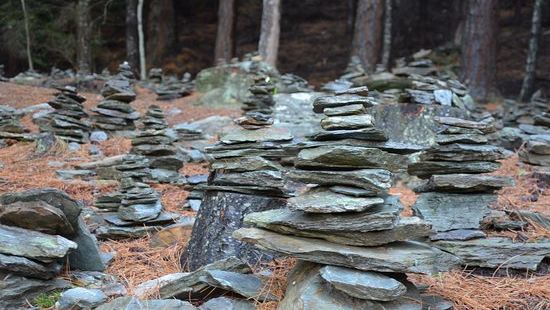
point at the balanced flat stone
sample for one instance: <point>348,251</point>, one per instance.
<point>498,252</point>
<point>140,212</point>
<point>36,215</point>
<point>458,234</point>
<point>369,134</point>
<point>377,180</point>
<point>401,257</point>
<point>360,90</point>
<point>485,127</point>
<point>465,183</point>
<point>36,245</point>
<point>349,157</point>
<point>320,103</point>
<point>269,134</point>
<point>453,211</point>
<point>81,298</point>
<point>352,191</point>
<point>365,230</point>
<point>326,201</point>
<point>347,122</point>
<point>363,284</point>
<point>226,303</point>
<point>352,109</point>
<point>248,163</point>
<point>246,285</point>
<point>461,138</point>
<point>25,267</point>
<point>464,152</point>
<point>425,169</point>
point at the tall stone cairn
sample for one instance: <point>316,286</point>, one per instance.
<point>346,230</point>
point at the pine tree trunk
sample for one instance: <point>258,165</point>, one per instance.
<point>83,52</point>
<point>132,53</point>
<point>479,48</point>
<point>367,35</point>
<point>226,31</point>
<point>141,39</point>
<point>386,48</point>
<point>350,21</point>
<point>270,30</point>
<point>27,34</point>
<point>161,36</point>
<point>529,79</point>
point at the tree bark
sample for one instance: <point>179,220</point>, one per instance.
<point>367,35</point>
<point>141,39</point>
<point>270,30</point>
<point>386,48</point>
<point>225,44</point>
<point>161,36</point>
<point>83,52</point>
<point>530,65</point>
<point>132,53</point>
<point>27,35</point>
<point>350,21</point>
<point>479,48</point>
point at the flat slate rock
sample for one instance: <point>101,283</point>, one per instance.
<point>347,122</point>
<point>36,215</point>
<point>464,152</point>
<point>269,134</point>
<point>105,232</point>
<point>403,257</point>
<point>38,246</point>
<point>243,164</point>
<point>323,102</point>
<point>461,138</point>
<point>368,134</point>
<point>326,201</point>
<point>140,212</point>
<point>246,285</point>
<point>453,211</point>
<point>425,169</point>
<point>81,298</point>
<point>498,252</point>
<point>352,191</point>
<point>465,183</point>
<point>349,157</point>
<point>363,284</point>
<point>25,267</point>
<point>458,234</point>
<point>15,291</point>
<point>352,109</point>
<point>485,127</point>
<point>225,303</point>
<point>308,291</point>
<point>364,229</point>
<point>377,180</point>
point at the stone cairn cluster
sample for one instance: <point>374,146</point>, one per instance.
<point>258,107</point>
<point>40,231</point>
<point>537,147</point>
<point>114,112</point>
<point>10,121</point>
<point>168,88</point>
<point>347,232</point>
<point>69,120</point>
<point>156,145</point>
<point>457,195</point>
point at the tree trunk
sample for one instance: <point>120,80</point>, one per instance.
<point>83,52</point>
<point>161,36</point>
<point>529,79</point>
<point>367,35</point>
<point>132,53</point>
<point>141,39</point>
<point>479,48</point>
<point>27,35</point>
<point>350,21</point>
<point>225,36</point>
<point>386,48</point>
<point>270,30</point>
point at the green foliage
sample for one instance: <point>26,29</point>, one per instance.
<point>46,300</point>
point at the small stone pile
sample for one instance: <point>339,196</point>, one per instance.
<point>68,120</point>
<point>10,120</point>
<point>115,113</point>
<point>154,143</point>
<point>155,75</point>
<point>173,88</point>
<point>41,230</point>
<point>537,146</point>
<point>261,98</point>
<point>458,194</point>
<point>347,232</point>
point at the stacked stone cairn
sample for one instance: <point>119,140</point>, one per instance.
<point>68,120</point>
<point>10,125</point>
<point>172,88</point>
<point>154,143</point>
<point>347,233</point>
<point>115,113</point>
<point>537,146</point>
<point>457,195</point>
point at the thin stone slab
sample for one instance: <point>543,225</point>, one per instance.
<point>363,284</point>
<point>352,191</point>
<point>25,267</point>
<point>321,103</point>
<point>349,157</point>
<point>458,234</point>
<point>347,122</point>
<point>363,231</point>
<point>453,211</point>
<point>226,303</point>
<point>352,109</point>
<point>369,134</point>
<point>163,219</point>
<point>465,183</point>
<point>464,152</point>
<point>106,232</point>
<point>461,138</point>
<point>269,134</point>
<point>425,169</point>
<point>36,245</point>
<point>497,252</point>
<point>242,164</point>
<point>377,180</point>
<point>36,215</point>
<point>81,298</point>
<point>16,291</point>
<point>326,201</point>
<point>140,212</point>
<point>260,178</point>
<point>403,257</point>
<point>246,285</point>
<point>485,127</point>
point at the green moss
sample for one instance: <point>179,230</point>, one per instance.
<point>46,300</point>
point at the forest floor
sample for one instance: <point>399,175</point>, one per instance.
<point>137,261</point>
